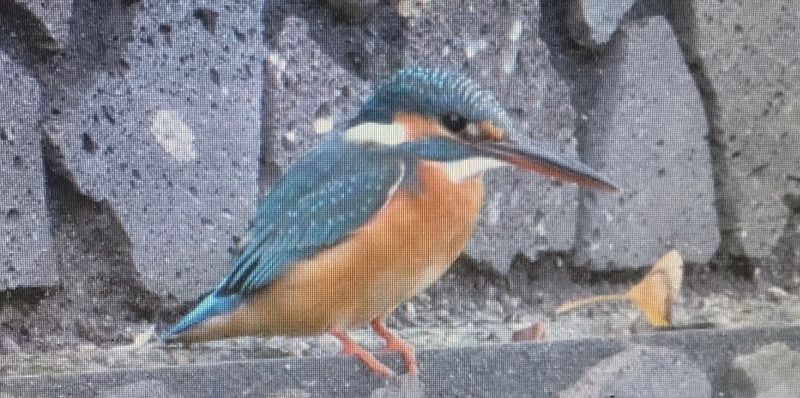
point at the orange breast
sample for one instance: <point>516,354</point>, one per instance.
<point>403,249</point>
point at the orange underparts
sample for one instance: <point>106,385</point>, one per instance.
<point>393,344</point>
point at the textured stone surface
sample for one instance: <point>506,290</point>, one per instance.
<point>405,386</point>
<point>508,370</point>
<point>593,22</point>
<point>323,58</point>
<point>750,54</point>
<point>53,15</point>
<point>497,43</point>
<point>140,389</point>
<point>306,93</point>
<point>25,241</point>
<point>31,31</point>
<point>769,372</point>
<point>355,10</point>
<point>369,46</point>
<point>643,372</point>
<point>650,138</point>
<point>173,143</point>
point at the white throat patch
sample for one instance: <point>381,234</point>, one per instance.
<point>395,134</point>
<point>460,170</point>
<point>379,133</point>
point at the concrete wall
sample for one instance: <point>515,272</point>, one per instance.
<point>136,136</point>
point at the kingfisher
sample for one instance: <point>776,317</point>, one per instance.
<point>371,216</point>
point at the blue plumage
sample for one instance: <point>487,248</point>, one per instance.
<point>430,134</point>
<point>319,201</point>
<point>211,305</point>
<point>433,93</point>
<point>338,186</point>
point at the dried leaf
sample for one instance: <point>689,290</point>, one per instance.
<point>659,290</point>
<point>139,340</point>
<point>654,295</point>
<point>573,305</point>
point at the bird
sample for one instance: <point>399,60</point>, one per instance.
<point>372,215</point>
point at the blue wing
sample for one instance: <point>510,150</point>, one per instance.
<point>329,193</point>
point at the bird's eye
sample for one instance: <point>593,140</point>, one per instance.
<point>454,122</point>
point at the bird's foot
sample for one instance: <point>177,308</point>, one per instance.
<point>350,347</point>
<point>394,344</point>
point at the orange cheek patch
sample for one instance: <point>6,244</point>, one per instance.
<point>490,131</point>
<point>418,126</point>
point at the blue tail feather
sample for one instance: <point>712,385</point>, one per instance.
<point>211,306</point>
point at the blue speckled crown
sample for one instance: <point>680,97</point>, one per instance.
<point>434,93</point>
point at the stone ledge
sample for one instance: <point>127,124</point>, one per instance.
<point>510,370</point>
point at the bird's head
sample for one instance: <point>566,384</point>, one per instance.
<point>430,114</point>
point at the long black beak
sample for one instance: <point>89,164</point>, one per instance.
<point>545,162</point>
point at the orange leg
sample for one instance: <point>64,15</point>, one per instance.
<point>350,347</point>
<point>394,344</point>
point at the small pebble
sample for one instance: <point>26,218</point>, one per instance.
<point>535,332</point>
<point>777,294</point>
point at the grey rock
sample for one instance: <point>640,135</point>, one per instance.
<point>306,94</point>
<point>368,42</point>
<point>289,393</point>
<point>643,372</point>
<point>53,16</point>
<point>355,10</point>
<point>403,386</point>
<point>540,369</point>
<point>141,389</point>
<point>650,138</point>
<point>750,55</point>
<point>173,143</point>
<point>25,241</point>
<point>497,43</point>
<point>319,69</point>
<point>593,22</point>
<point>771,372</point>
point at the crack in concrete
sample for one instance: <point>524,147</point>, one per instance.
<point>680,14</point>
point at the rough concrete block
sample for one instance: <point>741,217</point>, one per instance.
<point>25,241</point>
<point>140,389</point>
<point>355,10</point>
<point>306,93</point>
<point>173,144</point>
<point>643,372</point>
<point>324,58</point>
<point>497,43</point>
<point>769,372</point>
<point>651,140</point>
<point>365,38</point>
<point>54,16</point>
<point>593,22</point>
<point>750,54</point>
<point>541,369</point>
